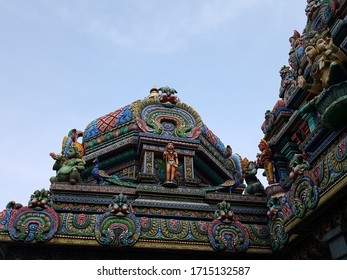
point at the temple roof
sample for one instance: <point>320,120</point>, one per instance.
<point>151,115</point>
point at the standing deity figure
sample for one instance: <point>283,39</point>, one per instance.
<point>171,160</point>
<point>264,160</point>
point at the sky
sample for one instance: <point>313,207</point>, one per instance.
<point>66,63</point>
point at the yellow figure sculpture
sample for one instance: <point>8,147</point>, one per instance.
<point>327,63</point>
<point>264,160</point>
<point>171,160</point>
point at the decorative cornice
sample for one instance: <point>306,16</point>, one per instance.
<point>218,163</point>
<point>127,140</point>
<point>180,191</point>
<point>80,188</point>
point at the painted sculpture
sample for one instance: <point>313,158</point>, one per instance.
<point>327,63</point>
<point>40,199</point>
<point>69,164</point>
<point>312,54</point>
<point>264,160</point>
<point>249,172</point>
<point>224,212</point>
<point>296,54</point>
<point>311,7</point>
<point>269,121</point>
<point>99,175</point>
<point>332,61</point>
<point>120,206</point>
<point>274,207</point>
<point>168,95</point>
<point>287,82</point>
<point>298,164</point>
<point>171,160</point>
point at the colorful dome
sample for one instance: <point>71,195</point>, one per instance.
<point>162,115</point>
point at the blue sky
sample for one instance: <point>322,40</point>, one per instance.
<point>66,63</point>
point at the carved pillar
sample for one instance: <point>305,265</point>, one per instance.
<point>147,168</point>
<point>188,168</point>
<point>148,163</point>
<point>281,167</point>
<point>337,241</point>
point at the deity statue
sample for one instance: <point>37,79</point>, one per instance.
<point>287,81</point>
<point>331,62</point>
<point>327,63</point>
<point>69,164</point>
<point>264,160</point>
<point>298,164</point>
<point>249,172</point>
<point>269,121</point>
<point>296,54</point>
<point>171,160</point>
<point>312,54</point>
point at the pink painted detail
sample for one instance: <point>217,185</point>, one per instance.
<point>109,121</point>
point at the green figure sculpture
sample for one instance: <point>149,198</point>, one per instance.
<point>69,165</point>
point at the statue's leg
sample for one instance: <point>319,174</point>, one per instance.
<point>269,173</point>
<point>172,175</point>
<point>168,166</point>
<point>75,176</point>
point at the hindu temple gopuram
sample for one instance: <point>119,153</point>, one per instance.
<point>151,181</point>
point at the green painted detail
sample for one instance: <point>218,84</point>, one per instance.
<point>106,164</point>
<point>112,135</point>
<point>289,150</point>
<point>312,120</point>
<point>332,105</point>
<point>207,171</point>
<point>115,181</point>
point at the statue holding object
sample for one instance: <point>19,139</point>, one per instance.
<point>171,161</point>
<point>69,164</point>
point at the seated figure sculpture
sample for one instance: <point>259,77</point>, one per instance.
<point>249,172</point>
<point>313,55</point>
<point>69,164</point>
<point>327,63</point>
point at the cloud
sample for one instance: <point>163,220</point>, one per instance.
<point>163,26</point>
<point>151,26</point>
<point>111,33</point>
